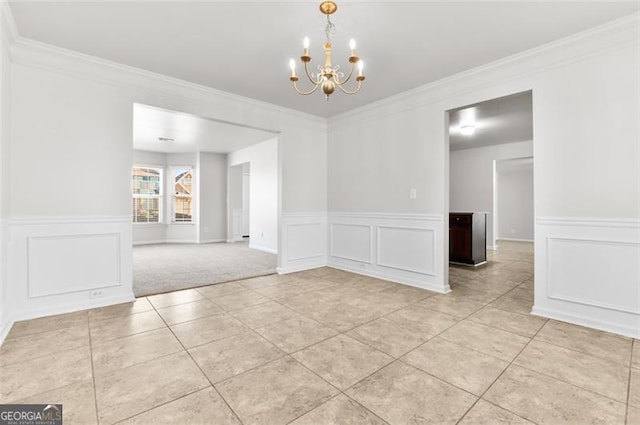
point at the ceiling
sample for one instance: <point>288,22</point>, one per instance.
<point>190,133</point>
<point>504,120</point>
<point>243,47</point>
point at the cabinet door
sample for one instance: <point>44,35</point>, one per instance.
<point>460,242</point>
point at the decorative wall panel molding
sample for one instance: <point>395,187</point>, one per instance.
<point>304,241</point>
<point>405,248</point>
<point>57,265</point>
<point>418,239</point>
<point>587,272</point>
<point>71,263</point>
<point>351,241</point>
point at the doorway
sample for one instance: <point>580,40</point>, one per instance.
<point>183,167</point>
<point>239,199</point>
<point>491,188</point>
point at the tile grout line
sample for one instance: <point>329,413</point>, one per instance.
<point>394,359</point>
<point>575,350</point>
<point>93,372</point>
<point>14,362</point>
<point>160,405</point>
<point>628,407</point>
<point>496,380</point>
<point>200,369</point>
<point>339,390</point>
<point>318,342</point>
<point>185,395</point>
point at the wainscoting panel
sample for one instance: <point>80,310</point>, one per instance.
<point>416,242</point>
<point>304,241</point>
<point>588,273</point>
<point>351,242</point>
<point>405,248</point>
<point>60,265</point>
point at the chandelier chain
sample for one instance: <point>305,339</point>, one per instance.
<point>329,29</point>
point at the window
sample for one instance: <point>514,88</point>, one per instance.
<point>183,189</point>
<point>146,187</point>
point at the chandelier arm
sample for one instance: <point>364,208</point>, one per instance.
<point>353,66</point>
<point>305,93</point>
<point>357,89</point>
<point>306,71</point>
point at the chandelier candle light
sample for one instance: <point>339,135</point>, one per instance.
<point>328,77</point>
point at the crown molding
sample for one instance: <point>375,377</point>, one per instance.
<point>592,42</point>
<point>45,56</point>
<point>9,27</point>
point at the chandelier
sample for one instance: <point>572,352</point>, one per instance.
<point>328,77</point>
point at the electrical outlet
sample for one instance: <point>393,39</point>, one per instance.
<point>262,234</point>
<point>95,293</point>
<point>413,193</point>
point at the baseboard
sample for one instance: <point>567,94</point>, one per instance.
<point>300,268</point>
<point>629,331</point>
<point>4,331</point>
<point>392,278</point>
<point>72,307</point>
<point>515,240</point>
<point>211,241</point>
<point>181,242</point>
<point>62,309</point>
<point>264,249</point>
<point>149,242</point>
<point>492,247</point>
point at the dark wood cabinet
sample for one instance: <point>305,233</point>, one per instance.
<point>468,238</point>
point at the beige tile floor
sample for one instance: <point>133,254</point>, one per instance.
<point>328,347</point>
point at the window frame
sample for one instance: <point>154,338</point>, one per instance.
<point>159,196</point>
<point>171,175</point>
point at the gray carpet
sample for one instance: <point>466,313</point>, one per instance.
<point>169,267</point>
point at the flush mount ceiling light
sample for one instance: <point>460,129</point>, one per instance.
<point>328,77</point>
<point>467,129</point>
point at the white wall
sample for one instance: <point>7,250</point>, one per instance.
<point>515,200</point>
<point>5,88</point>
<point>263,182</point>
<point>71,127</point>
<point>212,190</point>
<point>471,179</point>
<point>586,170</point>
<point>234,201</point>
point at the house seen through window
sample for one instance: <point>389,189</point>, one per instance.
<point>183,189</point>
<point>146,186</point>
